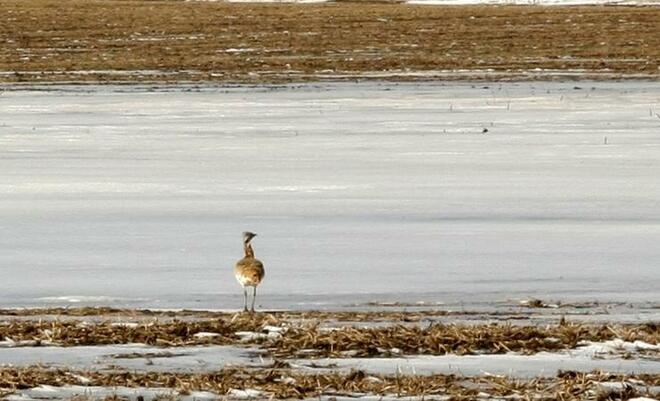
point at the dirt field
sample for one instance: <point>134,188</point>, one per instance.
<point>60,40</point>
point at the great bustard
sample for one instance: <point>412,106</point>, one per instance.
<point>249,271</point>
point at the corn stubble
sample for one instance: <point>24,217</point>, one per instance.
<point>282,383</point>
<point>304,334</point>
<point>307,334</point>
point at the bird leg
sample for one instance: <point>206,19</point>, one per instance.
<point>245,309</point>
<point>254,296</point>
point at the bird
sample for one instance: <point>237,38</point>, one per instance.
<point>249,271</point>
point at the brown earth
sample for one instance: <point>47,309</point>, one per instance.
<point>109,40</point>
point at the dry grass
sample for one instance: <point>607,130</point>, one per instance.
<point>308,337</point>
<point>170,333</point>
<point>45,40</point>
<point>305,336</point>
<point>285,383</point>
<point>452,338</point>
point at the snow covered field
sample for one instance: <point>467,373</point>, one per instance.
<point>212,358</point>
<point>136,196</point>
<point>135,356</point>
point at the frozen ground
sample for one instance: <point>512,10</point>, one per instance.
<point>539,365</point>
<point>134,357</point>
<point>597,356</point>
<point>136,196</point>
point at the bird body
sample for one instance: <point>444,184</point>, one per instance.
<point>249,271</point>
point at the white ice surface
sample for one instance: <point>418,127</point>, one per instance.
<point>45,392</point>
<point>134,357</point>
<point>129,195</point>
<point>154,394</point>
<point>544,364</point>
<point>248,393</point>
<point>618,348</point>
<point>211,358</point>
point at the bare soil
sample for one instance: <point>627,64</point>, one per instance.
<point>110,40</point>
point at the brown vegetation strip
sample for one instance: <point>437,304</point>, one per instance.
<point>227,42</point>
<point>442,339</point>
<point>171,333</point>
<point>313,340</point>
<point>285,383</point>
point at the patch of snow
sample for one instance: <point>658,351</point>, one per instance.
<point>46,392</point>
<point>241,50</point>
<point>74,299</point>
<point>125,324</point>
<point>200,395</point>
<point>204,334</point>
<point>247,336</point>
<point>245,394</point>
<point>615,348</point>
<point>287,380</point>
<point>611,387</point>
<point>10,343</point>
<point>134,356</point>
<point>613,390</point>
<point>81,379</point>
<point>544,364</point>
<point>100,72</point>
<point>274,329</point>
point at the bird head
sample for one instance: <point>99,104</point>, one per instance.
<point>247,236</point>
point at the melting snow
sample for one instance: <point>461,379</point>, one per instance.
<point>616,348</point>
<point>246,394</point>
<point>204,334</point>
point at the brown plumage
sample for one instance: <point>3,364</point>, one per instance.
<point>249,271</point>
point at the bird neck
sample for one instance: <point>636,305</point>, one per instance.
<point>249,252</point>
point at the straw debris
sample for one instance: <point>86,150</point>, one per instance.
<point>170,333</point>
<point>287,337</point>
<point>285,383</point>
<point>440,339</point>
